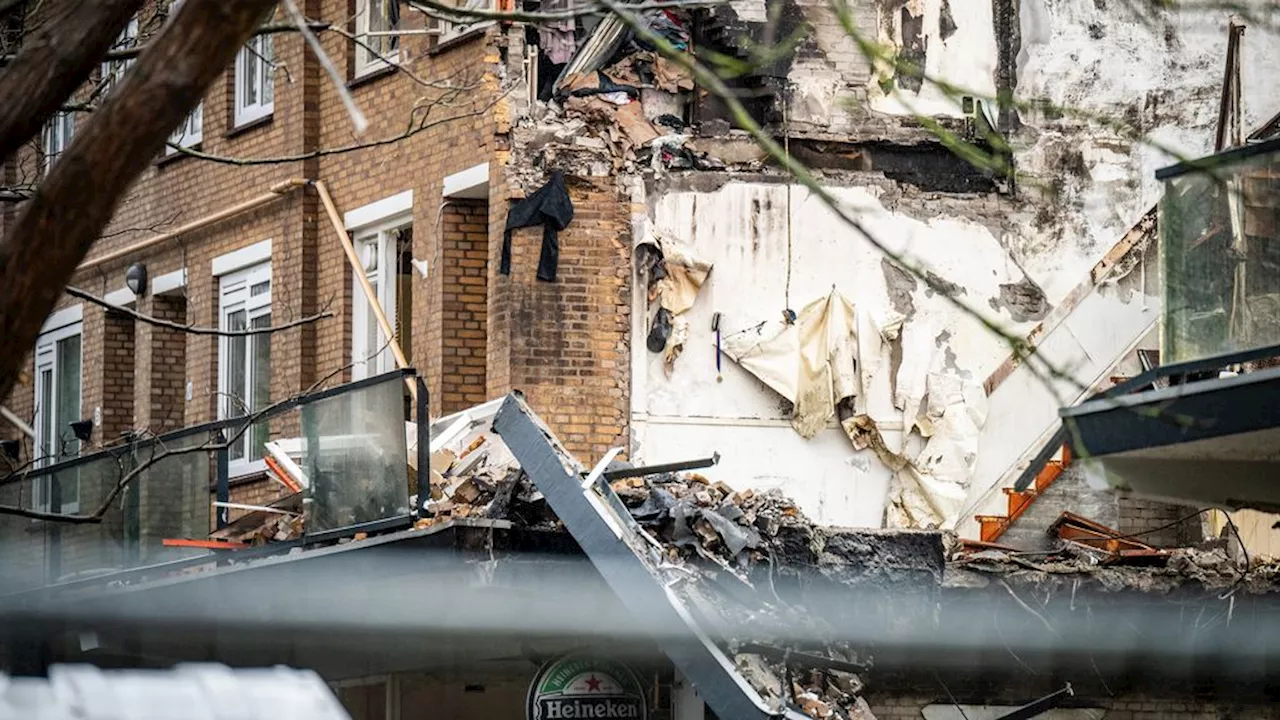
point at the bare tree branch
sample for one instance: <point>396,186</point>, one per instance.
<point>192,329</point>
<point>210,446</point>
<point>41,251</point>
<point>414,129</point>
<point>55,59</point>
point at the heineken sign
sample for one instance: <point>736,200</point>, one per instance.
<point>583,687</point>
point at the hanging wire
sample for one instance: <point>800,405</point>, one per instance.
<point>786,148</point>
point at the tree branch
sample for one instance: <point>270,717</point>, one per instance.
<point>323,152</point>
<point>123,482</point>
<point>192,329</point>
<point>42,249</point>
<point>55,59</point>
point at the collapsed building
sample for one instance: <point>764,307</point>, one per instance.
<point>594,227</point>
<point>732,599</point>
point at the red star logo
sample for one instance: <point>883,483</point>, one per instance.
<point>593,683</point>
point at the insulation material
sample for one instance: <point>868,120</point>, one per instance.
<point>930,491</point>
<point>686,273</point>
<point>811,362</point>
<point>676,275</point>
<point>830,353</point>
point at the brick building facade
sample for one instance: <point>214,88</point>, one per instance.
<point>471,332</point>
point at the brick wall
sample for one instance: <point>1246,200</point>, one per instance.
<point>1158,523</point>
<point>464,308</point>
<point>565,344</point>
<point>164,365</point>
<point>117,377</point>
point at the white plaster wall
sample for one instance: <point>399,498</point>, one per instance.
<point>966,59</point>
<point>1163,72</point>
<point>742,229</point>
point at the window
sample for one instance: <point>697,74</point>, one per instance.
<point>374,51</point>
<point>191,132</point>
<point>113,70</point>
<point>244,361</point>
<point>57,406</point>
<point>450,30</point>
<point>385,253</point>
<point>255,84</point>
<point>57,136</point>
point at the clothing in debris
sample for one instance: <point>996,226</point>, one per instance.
<point>555,37</point>
<point>550,207</point>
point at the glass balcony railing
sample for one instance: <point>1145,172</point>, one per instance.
<point>1220,253</point>
<point>355,457</point>
<point>131,498</point>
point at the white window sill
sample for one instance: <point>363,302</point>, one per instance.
<point>250,116</point>
<point>240,469</point>
<point>376,65</point>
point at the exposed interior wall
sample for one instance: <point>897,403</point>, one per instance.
<point>741,227</point>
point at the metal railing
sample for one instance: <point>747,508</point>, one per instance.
<point>120,504</point>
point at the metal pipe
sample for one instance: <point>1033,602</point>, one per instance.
<point>274,193</point>
<point>424,446</point>
<point>357,269</point>
<point>664,468</point>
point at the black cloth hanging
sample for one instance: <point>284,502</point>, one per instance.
<point>550,207</point>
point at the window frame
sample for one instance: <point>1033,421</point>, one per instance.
<point>264,64</point>
<point>235,295</point>
<point>46,359</point>
<point>366,62</point>
<point>449,31</point>
<point>379,241</point>
<point>190,133</point>
<point>60,129</point>
<point>113,70</point>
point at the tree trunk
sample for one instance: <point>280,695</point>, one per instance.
<point>56,58</point>
<point>75,202</point>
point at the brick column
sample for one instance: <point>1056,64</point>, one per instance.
<point>565,344</point>
<point>464,306</point>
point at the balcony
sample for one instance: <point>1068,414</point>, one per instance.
<point>156,502</point>
<point>1204,428</point>
<point>1220,253</point>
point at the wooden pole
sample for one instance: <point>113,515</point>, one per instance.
<point>358,270</point>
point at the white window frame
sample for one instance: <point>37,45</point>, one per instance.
<point>46,360</point>
<point>56,137</point>
<point>113,70</point>
<point>377,248</point>
<point>451,30</point>
<point>260,49</point>
<point>190,133</point>
<point>235,295</point>
<point>366,61</point>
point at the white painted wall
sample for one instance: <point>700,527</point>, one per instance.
<point>742,229</point>
<point>967,58</point>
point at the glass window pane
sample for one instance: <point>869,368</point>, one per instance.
<point>68,366</point>
<point>267,70</point>
<point>48,446</point>
<point>261,365</point>
<point>248,75</point>
<point>236,359</point>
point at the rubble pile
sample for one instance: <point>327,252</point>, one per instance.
<point>1212,569</point>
